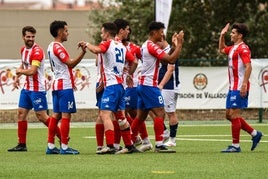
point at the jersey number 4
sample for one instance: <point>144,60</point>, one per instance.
<point>51,61</point>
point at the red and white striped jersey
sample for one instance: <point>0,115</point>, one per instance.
<point>34,82</point>
<point>63,75</point>
<point>151,55</point>
<point>113,57</point>
<point>238,56</point>
<point>136,52</point>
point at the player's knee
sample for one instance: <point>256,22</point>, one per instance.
<point>41,116</point>
<point>123,124</point>
<point>22,114</point>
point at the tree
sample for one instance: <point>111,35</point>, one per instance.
<point>257,39</point>
<point>138,13</point>
<point>201,21</point>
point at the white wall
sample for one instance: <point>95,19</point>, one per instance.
<point>12,22</point>
<point>39,3</point>
<point>47,3</point>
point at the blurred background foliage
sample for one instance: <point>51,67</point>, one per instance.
<point>201,20</point>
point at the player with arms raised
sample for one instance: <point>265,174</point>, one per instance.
<point>239,70</point>
<point>149,95</point>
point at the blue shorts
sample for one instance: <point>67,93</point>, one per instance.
<point>33,99</point>
<point>149,97</point>
<point>98,97</point>
<point>113,98</point>
<point>235,101</point>
<point>131,98</point>
<point>63,101</point>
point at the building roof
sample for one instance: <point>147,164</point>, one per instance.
<point>57,5</point>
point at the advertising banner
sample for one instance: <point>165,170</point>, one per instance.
<point>200,88</point>
<point>259,81</point>
<point>207,87</point>
<point>84,73</point>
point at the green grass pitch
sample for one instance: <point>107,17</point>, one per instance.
<point>197,155</point>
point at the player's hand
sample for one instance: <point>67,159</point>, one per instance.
<point>160,86</point>
<point>174,39</point>
<point>100,87</point>
<point>125,70</point>
<point>180,37</point>
<point>82,45</point>
<point>129,81</point>
<point>18,71</point>
<point>225,29</point>
<point>243,90</point>
<point>16,83</point>
<point>79,44</point>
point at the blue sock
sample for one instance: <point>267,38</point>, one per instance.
<point>173,130</point>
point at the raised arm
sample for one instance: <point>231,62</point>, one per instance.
<point>73,62</point>
<point>93,48</point>
<point>177,40</point>
<point>222,44</point>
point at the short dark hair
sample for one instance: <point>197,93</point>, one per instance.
<point>28,29</point>
<point>241,28</point>
<point>121,24</point>
<point>110,27</point>
<point>55,26</point>
<point>156,26</point>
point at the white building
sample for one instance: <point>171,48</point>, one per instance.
<point>46,4</point>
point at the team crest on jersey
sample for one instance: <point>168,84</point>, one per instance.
<point>37,53</point>
<point>159,51</point>
<point>62,55</point>
<point>200,81</point>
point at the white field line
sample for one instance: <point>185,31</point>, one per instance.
<point>198,139</point>
<point>180,137</point>
<point>92,125</point>
<point>216,140</point>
